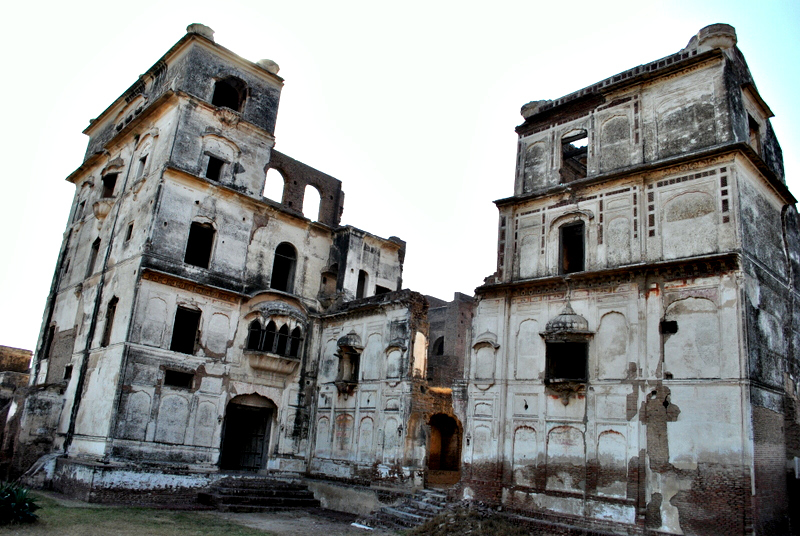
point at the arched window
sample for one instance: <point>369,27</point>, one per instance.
<point>93,257</point>
<point>269,337</point>
<point>110,312</point>
<point>274,185</point>
<point>229,93</point>
<point>294,342</point>
<point>283,268</point>
<point>363,280</point>
<point>438,346</point>
<point>198,246</point>
<point>283,338</point>
<point>311,200</point>
<point>255,338</point>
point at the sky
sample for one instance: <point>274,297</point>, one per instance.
<point>412,105</point>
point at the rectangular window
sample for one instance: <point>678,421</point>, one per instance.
<point>574,152</point>
<point>175,378</point>
<point>142,166</point>
<point>129,232</point>
<point>566,361</point>
<point>214,168</point>
<point>572,248</point>
<point>48,342</point>
<point>198,246</point>
<point>381,290</point>
<point>79,211</point>
<point>109,182</point>
<point>184,330</point>
<point>68,372</point>
<point>93,257</point>
<point>110,312</point>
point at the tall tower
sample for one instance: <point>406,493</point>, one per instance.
<point>195,326</point>
<point>633,351</point>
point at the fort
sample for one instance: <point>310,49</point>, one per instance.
<point>631,366</point>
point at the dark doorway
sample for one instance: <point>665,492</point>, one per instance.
<point>444,450</point>
<point>245,436</point>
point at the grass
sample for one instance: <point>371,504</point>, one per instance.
<point>124,521</point>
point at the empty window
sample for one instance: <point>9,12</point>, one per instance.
<point>274,184</point>
<point>381,290</point>
<point>48,342</point>
<point>295,339</point>
<point>109,182</point>
<point>184,330</point>
<point>198,247</point>
<point>572,249</point>
<point>574,151</point>
<point>93,257</point>
<point>283,268</point>
<point>110,312</point>
<point>214,168</point>
<point>68,372</point>
<point>311,200</point>
<point>349,364</point>
<point>229,93</point>
<point>255,337</point>
<point>281,342</point>
<point>566,361</point>
<point>361,289</point>
<point>79,211</point>
<point>142,166</point>
<point>129,232</point>
<point>755,135</point>
<point>438,346</point>
<point>329,280</point>
<point>176,378</point>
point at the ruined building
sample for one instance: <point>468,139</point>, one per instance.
<point>196,327</point>
<point>635,356</point>
<point>631,365</point>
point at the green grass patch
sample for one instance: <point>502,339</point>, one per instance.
<point>125,521</point>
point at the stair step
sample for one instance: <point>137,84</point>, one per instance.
<point>270,501</point>
<point>405,516</point>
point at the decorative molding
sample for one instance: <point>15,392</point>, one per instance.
<point>190,286</point>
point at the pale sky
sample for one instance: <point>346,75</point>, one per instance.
<point>412,105</point>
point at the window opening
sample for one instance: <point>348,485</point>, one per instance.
<point>329,280</point>
<point>214,168</point>
<point>142,164</point>
<point>566,360</point>
<point>269,337</point>
<point>93,257</point>
<point>381,290</point>
<point>755,135</point>
<point>572,249</point>
<point>669,327</point>
<point>294,342</point>
<point>109,182</point>
<point>283,268</point>
<point>438,346</point>
<point>129,232</point>
<point>229,93</point>
<point>361,289</point>
<point>110,312</point>
<point>184,330</point>
<point>574,152</point>
<point>274,184</point>
<point>68,372</point>
<point>79,211</point>
<point>255,338</point>
<point>311,201</point>
<point>198,246</point>
<point>283,338</point>
<point>176,378</point>
<point>51,332</point>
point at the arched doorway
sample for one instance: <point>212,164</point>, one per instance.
<point>246,432</point>
<point>444,450</point>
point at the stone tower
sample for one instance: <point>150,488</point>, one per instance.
<point>634,356</point>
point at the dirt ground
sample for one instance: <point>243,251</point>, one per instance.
<point>66,516</point>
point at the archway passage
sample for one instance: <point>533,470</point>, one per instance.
<point>245,436</point>
<point>444,451</point>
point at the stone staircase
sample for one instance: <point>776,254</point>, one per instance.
<point>257,494</point>
<point>414,510</point>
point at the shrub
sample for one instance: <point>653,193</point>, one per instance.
<point>15,505</point>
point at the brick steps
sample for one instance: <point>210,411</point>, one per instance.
<point>255,494</point>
